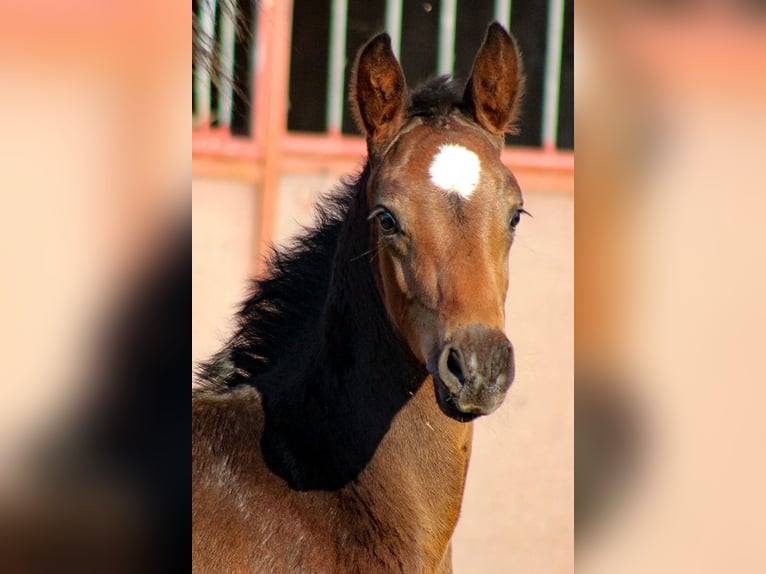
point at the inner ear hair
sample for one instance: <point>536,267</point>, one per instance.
<point>495,88</point>
<point>378,94</point>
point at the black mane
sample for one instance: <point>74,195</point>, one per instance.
<point>291,295</point>
<point>438,97</point>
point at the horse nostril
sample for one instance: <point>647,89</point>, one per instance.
<point>455,366</point>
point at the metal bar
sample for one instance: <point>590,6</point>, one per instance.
<point>226,86</point>
<point>259,88</point>
<point>394,24</point>
<point>352,148</point>
<point>202,76</point>
<point>338,18</point>
<point>503,13</point>
<point>218,143</point>
<point>445,63</point>
<point>551,87</point>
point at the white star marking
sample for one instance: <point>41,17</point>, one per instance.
<point>455,169</point>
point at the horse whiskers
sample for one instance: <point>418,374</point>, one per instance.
<point>365,253</point>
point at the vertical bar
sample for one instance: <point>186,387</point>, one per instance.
<point>394,24</point>
<point>207,26</point>
<point>259,110</point>
<point>338,18</point>
<point>551,87</point>
<point>445,62</point>
<point>503,13</point>
<point>227,65</point>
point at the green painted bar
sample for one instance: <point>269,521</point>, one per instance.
<point>503,13</point>
<point>551,86</point>
<point>445,63</point>
<point>228,39</point>
<point>337,64</point>
<point>202,75</point>
<point>394,24</point>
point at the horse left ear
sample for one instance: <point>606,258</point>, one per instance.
<point>378,90</point>
<point>494,90</point>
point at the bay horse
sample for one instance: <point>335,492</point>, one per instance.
<point>333,431</point>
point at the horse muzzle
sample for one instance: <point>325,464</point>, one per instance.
<point>473,372</point>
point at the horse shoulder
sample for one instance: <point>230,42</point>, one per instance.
<point>244,517</point>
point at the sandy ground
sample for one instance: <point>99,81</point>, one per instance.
<point>518,508</point>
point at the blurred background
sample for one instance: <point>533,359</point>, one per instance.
<point>95,164</point>
<point>272,132</point>
<point>668,236</point>
<point>669,307</point>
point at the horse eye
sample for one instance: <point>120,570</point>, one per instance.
<point>388,223</point>
<point>516,217</point>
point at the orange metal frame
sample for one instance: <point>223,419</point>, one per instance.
<point>273,150</point>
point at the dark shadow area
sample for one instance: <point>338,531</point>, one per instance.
<point>309,61</point>
<point>607,446</point>
<point>108,493</point>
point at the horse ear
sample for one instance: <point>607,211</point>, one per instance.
<point>494,90</point>
<point>378,90</point>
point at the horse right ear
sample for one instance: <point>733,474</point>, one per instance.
<point>378,91</point>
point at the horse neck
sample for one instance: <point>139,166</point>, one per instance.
<point>362,393</point>
<point>356,335</point>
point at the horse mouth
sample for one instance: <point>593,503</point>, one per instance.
<point>459,407</point>
<point>472,371</point>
